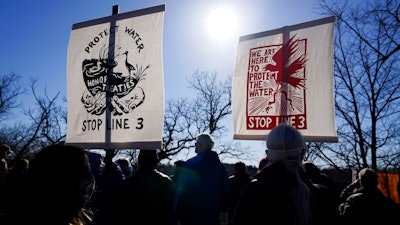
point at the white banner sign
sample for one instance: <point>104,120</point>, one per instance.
<point>115,81</point>
<point>286,76</point>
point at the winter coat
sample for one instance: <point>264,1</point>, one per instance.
<point>237,182</point>
<point>269,199</point>
<point>144,198</point>
<point>203,190</point>
<point>369,206</point>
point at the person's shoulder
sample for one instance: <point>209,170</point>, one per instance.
<point>163,175</point>
<point>262,187</point>
<point>165,181</point>
<point>210,156</point>
<point>214,155</point>
<point>192,161</point>
<point>319,187</point>
<point>355,198</point>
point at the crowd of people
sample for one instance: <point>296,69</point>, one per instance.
<point>67,185</point>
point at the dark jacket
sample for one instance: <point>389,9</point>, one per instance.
<point>237,181</point>
<point>144,198</point>
<point>369,206</point>
<point>269,199</point>
<point>203,190</point>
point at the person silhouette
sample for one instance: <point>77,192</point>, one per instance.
<point>327,191</point>
<point>145,197</point>
<point>58,186</point>
<point>108,177</point>
<point>4,151</point>
<point>349,190</point>
<point>237,181</point>
<point>178,167</point>
<point>263,162</point>
<point>125,166</point>
<point>16,179</point>
<point>282,193</point>
<point>202,186</point>
<point>316,176</point>
<point>368,204</point>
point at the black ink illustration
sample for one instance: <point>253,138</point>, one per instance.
<point>104,82</point>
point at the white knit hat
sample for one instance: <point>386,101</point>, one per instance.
<point>284,142</point>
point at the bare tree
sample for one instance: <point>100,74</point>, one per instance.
<point>367,84</point>
<point>10,90</point>
<point>205,112</point>
<point>176,132</point>
<point>212,104</point>
<point>44,126</point>
<point>47,118</point>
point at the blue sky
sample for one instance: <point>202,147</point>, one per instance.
<point>35,36</point>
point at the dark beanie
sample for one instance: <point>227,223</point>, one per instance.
<point>148,158</point>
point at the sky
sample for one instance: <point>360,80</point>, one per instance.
<point>35,36</point>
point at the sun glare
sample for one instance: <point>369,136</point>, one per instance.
<point>221,23</point>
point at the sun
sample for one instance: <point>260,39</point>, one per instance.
<point>221,23</point>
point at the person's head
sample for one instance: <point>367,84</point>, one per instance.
<point>285,143</point>
<point>148,158</point>
<point>125,166</point>
<point>311,169</point>
<point>368,178</point>
<point>97,164</point>
<point>204,141</point>
<point>4,150</point>
<point>60,180</point>
<point>239,167</point>
<point>263,162</point>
